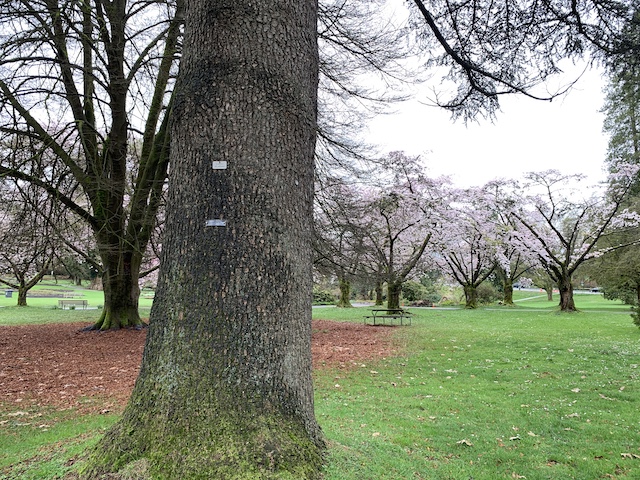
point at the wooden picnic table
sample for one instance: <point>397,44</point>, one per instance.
<point>381,314</point>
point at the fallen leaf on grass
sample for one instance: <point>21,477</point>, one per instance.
<point>515,475</point>
<point>630,455</point>
<point>575,390</point>
<point>464,442</point>
<point>607,398</point>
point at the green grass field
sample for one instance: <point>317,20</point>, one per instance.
<point>43,308</point>
<point>496,393</point>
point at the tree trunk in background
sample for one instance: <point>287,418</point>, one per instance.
<point>470,296</point>
<point>121,290</point>
<point>566,294</point>
<point>22,296</point>
<point>379,300</point>
<point>345,293</point>
<point>549,291</point>
<point>225,387</point>
<point>394,289</point>
<point>507,290</point>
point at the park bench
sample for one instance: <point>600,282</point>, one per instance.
<point>382,314</point>
<point>74,303</point>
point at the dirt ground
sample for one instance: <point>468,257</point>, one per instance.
<point>61,366</point>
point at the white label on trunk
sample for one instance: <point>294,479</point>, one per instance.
<point>219,165</point>
<point>216,223</point>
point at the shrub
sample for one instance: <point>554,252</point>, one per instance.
<point>419,294</point>
<point>413,291</point>
<point>323,296</point>
<point>487,293</point>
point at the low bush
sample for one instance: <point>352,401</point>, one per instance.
<point>487,294</point>
<point>323,297</point>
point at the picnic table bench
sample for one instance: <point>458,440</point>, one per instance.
<point>75,303</point>
<point>381,314</point>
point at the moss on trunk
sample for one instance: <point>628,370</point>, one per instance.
<point>394,289</point>
<point>345,294</point>
<point>565,288</point>
<point>507,291</point>
<point>378,292</point>
<point>218,440</point>
<point>471,296</point>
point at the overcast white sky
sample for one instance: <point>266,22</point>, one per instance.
<point>528,135</point>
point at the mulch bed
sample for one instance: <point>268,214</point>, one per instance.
<point>61,366</point>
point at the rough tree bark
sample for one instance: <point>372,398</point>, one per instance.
<point>507,291</point>
<point>470,296</point>
<point>121,289</point>
<point>225,386</point>
<point>565,288</point>
<point>394,289</point>
<point>345,293</point>
<point>549,291</point>
<point>379,293</point>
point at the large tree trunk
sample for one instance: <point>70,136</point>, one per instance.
<point>470,296</point>
<point>22,296</point>
<point>121,291</point>
<point>345,293</point>
<point>566,295</point>
<point>379,299</point>
<point>507,288</point>
<point>394,289</point>
<point>225,386</point>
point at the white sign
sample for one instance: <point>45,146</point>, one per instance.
<point>220,165</point>
<point>216,223</point>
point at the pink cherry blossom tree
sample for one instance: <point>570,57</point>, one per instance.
<point>467,246</point>
<point>26,236</point>
<point>511,262</point>
<point>561,226</point>
<point>409,207</point>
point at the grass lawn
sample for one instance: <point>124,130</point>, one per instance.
<point>42,307</point>
<point>491,394</point>
<point>495,393</point>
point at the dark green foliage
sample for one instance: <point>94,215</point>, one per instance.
<point>487,293</point>
<point>623,292</point>
<point>323,296</point>
<point>422,291</point>
<point>412,291</point>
